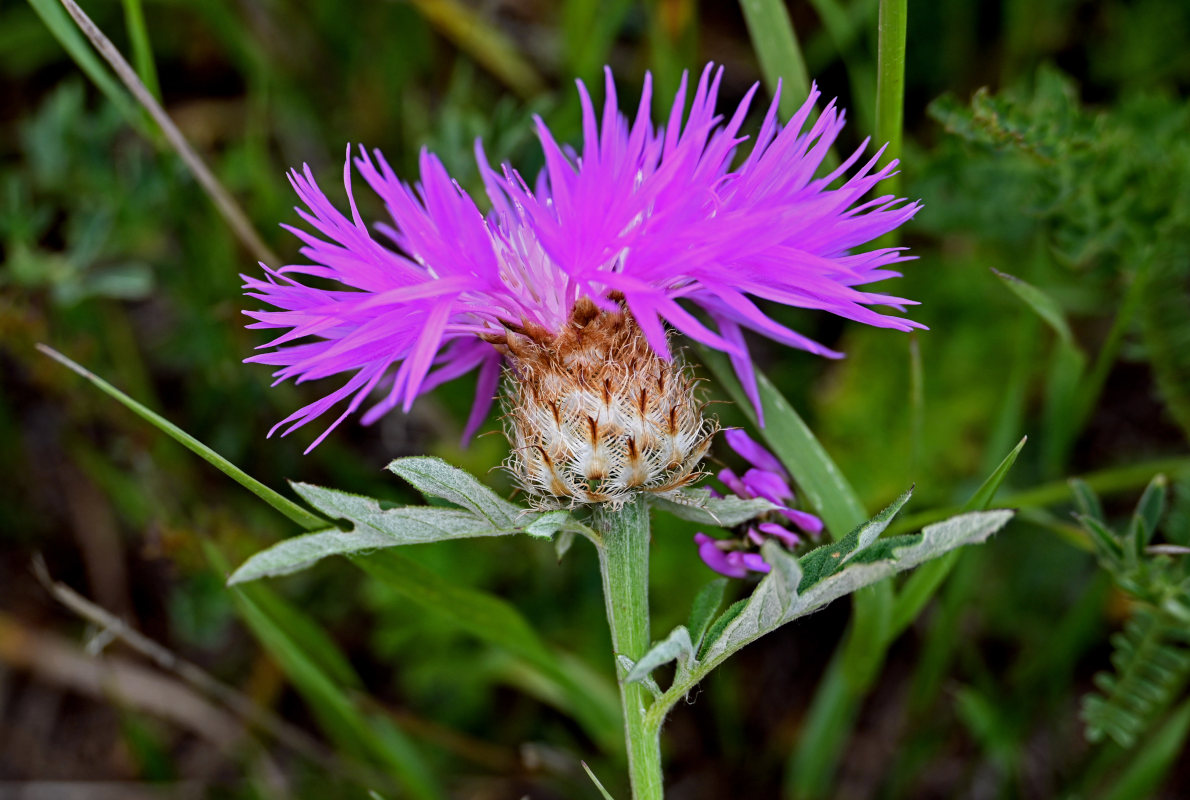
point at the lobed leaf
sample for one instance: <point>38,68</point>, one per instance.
<point>780,598</point>
<point>435,478</point>
<point>375,527</point>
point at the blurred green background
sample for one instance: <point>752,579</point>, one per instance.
<point>1070,171</point>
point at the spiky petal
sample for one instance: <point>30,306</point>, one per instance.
<point>661,217</point>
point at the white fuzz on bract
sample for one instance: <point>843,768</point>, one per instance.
<point>595,416</point>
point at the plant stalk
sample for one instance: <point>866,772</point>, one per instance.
<point>624,565</point>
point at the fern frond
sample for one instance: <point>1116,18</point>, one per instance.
<point>1152,665</point>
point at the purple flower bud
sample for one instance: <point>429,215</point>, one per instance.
<point>806,521</point>
<point>747,447</point>
<point>786,537</point>
<point>716,559</point>
<point>754,562</point>
<point>769,485</point>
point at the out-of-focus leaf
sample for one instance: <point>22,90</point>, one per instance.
<point>344,723</point>
<point>1148,770</point>
<point>1042,304</point>
<point>777,50</point>
<point>65,31</point>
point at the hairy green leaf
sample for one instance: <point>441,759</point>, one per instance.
<point>697,505</point>
<point>435,478</point>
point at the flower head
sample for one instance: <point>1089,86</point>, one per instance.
<point>644,221</point>
<point>767,479</point>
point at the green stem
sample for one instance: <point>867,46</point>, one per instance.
<point>890,81</point>
<point>624,565</point>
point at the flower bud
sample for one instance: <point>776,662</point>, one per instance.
<point>594,415</point>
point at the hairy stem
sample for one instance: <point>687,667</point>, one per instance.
<point>624,565</point>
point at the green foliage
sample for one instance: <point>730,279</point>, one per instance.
<point>1151,657</point>
<point>1075,185</point>
<point>1108,188</point>
<point>796,587</point>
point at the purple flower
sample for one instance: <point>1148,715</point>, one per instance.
<point>769,480</point>
<point>663,217</point>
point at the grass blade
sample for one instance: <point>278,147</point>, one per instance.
<point>59,24</point>
<point>290,509</point>
<point>777,50</point>
<point>142,51</point>
<point>890,82</point>
<point>483,42</point>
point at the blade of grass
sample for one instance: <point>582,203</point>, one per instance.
<point>336,714</point>
<point>484,43</point>
<point>303,658</point>
<point>142,51</point>
<point>777,50</point>
<point>306,519</point>
<point>891,27</point>
<point>224,202</point>
<point>1108,481</point>
<point>59,24</point>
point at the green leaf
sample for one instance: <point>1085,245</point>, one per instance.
<point>405,524</point>
<point>299,552</point>
<point>1149,511</point>
<point>987,490</point>
<point>283,504</point>
<point>1086,499</point>
<point>706,603</point>
<point>376,527</point>
<point>435,478</point>
<point>675,647</point>
<point>1042,304</point>
<point>1106,541</point>
<point>777,50</point>
<point>824,486</point>
<point>824,561</point>
<point>544,526</point>
<point>720,624</point>
<point>697,505</point>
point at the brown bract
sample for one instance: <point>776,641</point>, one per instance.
<point>595,416</point>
